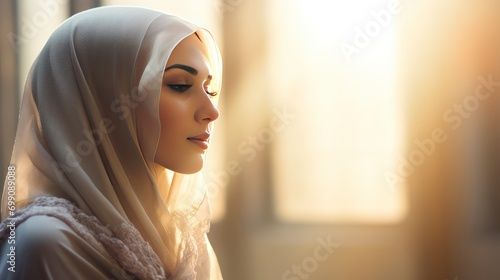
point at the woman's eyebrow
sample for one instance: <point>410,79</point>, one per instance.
<point>186,68</point>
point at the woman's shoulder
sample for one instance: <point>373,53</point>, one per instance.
<point>44,247</point>
<point>41,231</point>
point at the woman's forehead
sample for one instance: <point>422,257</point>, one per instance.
<point>191,52</point>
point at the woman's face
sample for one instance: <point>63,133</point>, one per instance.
<point>186,108</point>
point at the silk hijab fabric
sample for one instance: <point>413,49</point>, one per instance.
<point>86,139</point>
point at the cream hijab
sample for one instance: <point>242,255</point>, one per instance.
<point>89,127</point>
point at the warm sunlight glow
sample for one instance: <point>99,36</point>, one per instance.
<point>202,13</point>
<point>330,163</point>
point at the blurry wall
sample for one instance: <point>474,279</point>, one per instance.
<point>356,141</point>
<point>272,63</point>
<point>445,169</point>
<point>451,83</point>
<point>9,101</point>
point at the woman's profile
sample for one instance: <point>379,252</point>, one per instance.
<point>104,181</point>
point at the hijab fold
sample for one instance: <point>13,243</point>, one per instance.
<point>89,127</point>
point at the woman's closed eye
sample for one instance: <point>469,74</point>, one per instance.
<point>179,87</point>
<point>184,87</point>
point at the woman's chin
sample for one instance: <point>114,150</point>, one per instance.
<point>187,168</point>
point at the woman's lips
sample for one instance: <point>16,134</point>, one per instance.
<point>201,143</point>
<point>201,140</point>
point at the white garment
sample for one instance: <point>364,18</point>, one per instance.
<point>88,131</point>
<point>54,252</point>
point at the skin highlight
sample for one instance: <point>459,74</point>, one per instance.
<point>187,108</point>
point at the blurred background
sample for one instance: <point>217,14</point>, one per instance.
<point>357,140</point>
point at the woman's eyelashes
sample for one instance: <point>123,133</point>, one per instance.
<point>208,89</point>
<point>179,87</point>
<point>211,93</point>
<point>184,87</point>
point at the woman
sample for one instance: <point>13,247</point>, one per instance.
<point>104,180</point>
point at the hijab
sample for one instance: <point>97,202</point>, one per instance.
<point>88,131</point>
